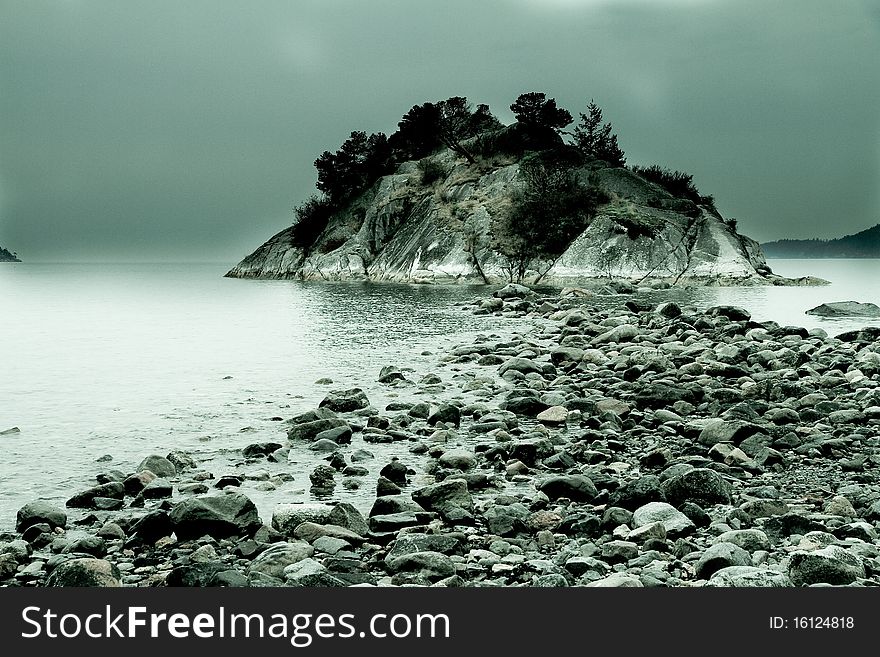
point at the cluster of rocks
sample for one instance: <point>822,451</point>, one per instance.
<point>632,445</point>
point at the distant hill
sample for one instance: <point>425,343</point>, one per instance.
<point>6,256</point>
<point>865,244</point>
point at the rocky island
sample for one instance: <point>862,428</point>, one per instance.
<point>6,256</point>
<point>455,196</point>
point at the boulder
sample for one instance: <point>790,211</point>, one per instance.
<point>721,555</point>
<point>700,485</point>
<point>506,519</point>
<point>458,459</point>
<point>429,565</point>
<point>207,574</point>
<point>450,498</point>
<point>733,313</point>
<point>622,333</point>
<point>523,365</point>
<point>347,516</point>
<point>135,483</point>
<point>749,540</point>
<point>617,580</point>
<point>638,492</point>
<point>395,471</point>
<point>310,430</point>
<point>86,499</point>
<point>717,430</point>
<point>512,291</point>
<point>748,577</point>
<point>310,532</point>
<point>231,514</point>
<point>553,415</point>
<point>157,489</point>
<point>340,435</point>
<point>345,401</point>
<point>447,413</point>
<point>258,450</point>
<point>286,517</point>
<point>158,465</point>
<point>39,511</point>
<point>88,572</point>
<point>674,521</point>
<point>576,487</point>
<point>150,527</point>
<point>830,565</point>
<point>389,374</point>
<point>273,560</point>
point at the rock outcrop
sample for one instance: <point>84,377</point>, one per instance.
<point>845,309</point>
<point>403,229</point>
<point>6,256</point>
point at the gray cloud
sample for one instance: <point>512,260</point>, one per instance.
<point>170,130</point>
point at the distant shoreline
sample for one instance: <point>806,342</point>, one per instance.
<point>862,245</point>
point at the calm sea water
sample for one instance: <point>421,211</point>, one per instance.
<point>129,360</point>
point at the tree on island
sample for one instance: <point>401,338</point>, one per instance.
<point>535,111</point>
<point>358,162</point>
<point>447,123</point>
<point>595,139</point>
<point>551,209</point>
<point>545,216</point>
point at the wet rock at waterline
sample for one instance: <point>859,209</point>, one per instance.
<point>846,309</point>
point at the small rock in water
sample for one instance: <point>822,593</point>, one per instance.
<point>395,472</point>
<point>345,401</point>
<point>512,291</point>
<point>322,477</point>
<point>361,455</point>
<point>158,465</point>
<point>845,309</point>
<point>389,374</point>
<point>323,445</point>
<point>40,512</point>
<point>385,486</point>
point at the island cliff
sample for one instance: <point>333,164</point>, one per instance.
<point>433,219</point>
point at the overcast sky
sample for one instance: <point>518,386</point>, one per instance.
<point>186,130</point>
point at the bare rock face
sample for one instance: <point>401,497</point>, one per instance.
<point>845,309</point>
<point>403,230</point>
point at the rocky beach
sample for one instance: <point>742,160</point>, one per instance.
<point>619,443</point>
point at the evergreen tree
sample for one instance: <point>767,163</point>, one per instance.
<point>596,139</point>
<point>534,110</point>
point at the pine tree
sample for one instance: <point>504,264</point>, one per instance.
<point>596,139</point>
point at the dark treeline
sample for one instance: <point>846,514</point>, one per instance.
<point>471,133</point>
<point>864,244</point>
